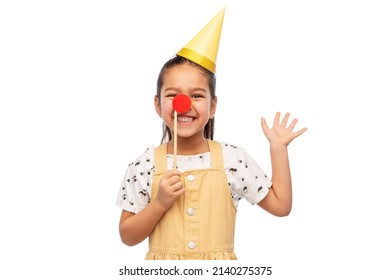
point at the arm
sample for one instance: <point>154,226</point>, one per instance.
<point>279,199</point>
<point>134,228</point>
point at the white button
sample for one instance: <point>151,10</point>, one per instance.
<point>190,177</point>
<point>190,211</point>
<point>191,245</point>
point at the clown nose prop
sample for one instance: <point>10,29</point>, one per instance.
<point>181,103</point>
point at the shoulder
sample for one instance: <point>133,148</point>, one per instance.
<point>236,159</point>
<point>233,156</point>
<point>144,161</point>
<point>230,150</point>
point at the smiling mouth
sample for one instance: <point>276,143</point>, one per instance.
<point>185,119</point>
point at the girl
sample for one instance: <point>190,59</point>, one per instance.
<point>189,212</point>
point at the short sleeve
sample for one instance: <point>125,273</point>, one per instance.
<point>256,184</point>
<point>135,191</point>
<point>245,177</point>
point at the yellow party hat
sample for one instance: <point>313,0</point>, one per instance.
<point>203,48</point>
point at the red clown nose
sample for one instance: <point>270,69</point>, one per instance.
<point>181,103</point>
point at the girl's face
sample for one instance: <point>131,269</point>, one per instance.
<point>189,80</point>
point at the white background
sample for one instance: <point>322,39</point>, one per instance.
<point>77,80</point>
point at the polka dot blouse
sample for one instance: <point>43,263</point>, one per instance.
<point>245,178</point>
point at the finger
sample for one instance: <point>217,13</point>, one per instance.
<point>179,192</point>
<point>299,132</point>
<point>277,119</point>
<point>292,124</point>
<point>172,176</point>
<point>177,186</point>
<point>172,172</point>
<point>285,119</point>
<point>264,124</point>
<point>175,179</point>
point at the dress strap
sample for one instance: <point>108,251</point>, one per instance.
<point>160,158</point>
<point>216,154</point>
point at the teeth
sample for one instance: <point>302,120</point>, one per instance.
<point>184,119</point>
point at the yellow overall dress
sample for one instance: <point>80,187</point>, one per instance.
<point>200,224</point>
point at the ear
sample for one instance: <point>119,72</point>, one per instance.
<point>213,107</point>
<point>157,105</point>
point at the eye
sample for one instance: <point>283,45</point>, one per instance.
<point>197,95</point>
<point>170,95</point>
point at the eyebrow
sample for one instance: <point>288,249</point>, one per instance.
<point>191,90</point>
<point>171,88</point>
<point>197,89</point>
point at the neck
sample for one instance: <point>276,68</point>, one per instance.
<point>186,146</point>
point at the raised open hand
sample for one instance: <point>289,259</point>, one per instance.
<point>280,133</point>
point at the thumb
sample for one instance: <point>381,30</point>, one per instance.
<point>264,124</point>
